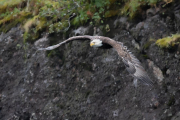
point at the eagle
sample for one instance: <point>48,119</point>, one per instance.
<point>132,64</point>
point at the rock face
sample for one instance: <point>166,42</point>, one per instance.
<point>77,82</point>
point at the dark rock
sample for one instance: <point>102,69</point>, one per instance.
<point>151,12</point>
<point>176,117</point>
<point>157,72</point>
<point>122,23</point>
<point>177,19</point>
<point>83,31</point>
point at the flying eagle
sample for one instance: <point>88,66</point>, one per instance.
<point>131,63</point>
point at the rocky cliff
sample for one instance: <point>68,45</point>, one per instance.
<point>77,82</point>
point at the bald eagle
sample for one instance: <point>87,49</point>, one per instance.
<point>131,63</point>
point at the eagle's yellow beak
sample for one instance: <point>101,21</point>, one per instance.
<point>91,44</point>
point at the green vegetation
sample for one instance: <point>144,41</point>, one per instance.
<point>36,16</point>
<point>134,7</point>
<point>169,42</point>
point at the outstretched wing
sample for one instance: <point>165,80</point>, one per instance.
<point>135,68</point>
<point>86,37</point>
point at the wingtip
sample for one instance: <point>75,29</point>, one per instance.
<point>146,80</point>
<point>149,82</point>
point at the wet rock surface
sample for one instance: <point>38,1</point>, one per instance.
<point>77,82</point>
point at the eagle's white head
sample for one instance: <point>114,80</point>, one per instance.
<point>96,43</point>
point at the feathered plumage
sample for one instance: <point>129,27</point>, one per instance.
<point>132,64</point>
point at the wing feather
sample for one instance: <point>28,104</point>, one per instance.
<point>142,76</point>
<point>135,68</point>
<point>86,37</point>
<point>129,66</point>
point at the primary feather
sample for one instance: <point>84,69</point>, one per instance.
<point>135,68</point>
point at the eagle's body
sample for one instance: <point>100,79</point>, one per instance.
<point>132,64</point>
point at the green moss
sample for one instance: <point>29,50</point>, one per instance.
<point>111,13</point>
<point>13,22</point>
<point>30,23</point>
<point>164,42</point>
<point>134,7</point>
<point>41,24</point>
<point>75,22</point>
<point>26,35</point>
<point>130,8</point>
<point>168,42</point>
<point>8,4</point>
<point>53,16</point>
<point>31,36</point>
<point>46,10</point>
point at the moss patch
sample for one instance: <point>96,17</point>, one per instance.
<point>169,42</point>
<point>111,13</point>
<point>52,16</point>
